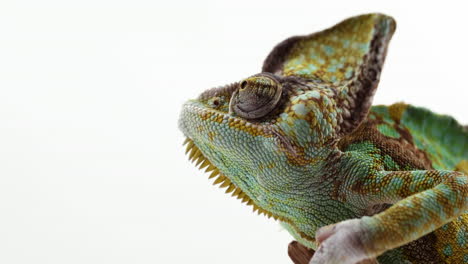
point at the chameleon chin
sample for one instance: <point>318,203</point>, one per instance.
<point>301,142</point>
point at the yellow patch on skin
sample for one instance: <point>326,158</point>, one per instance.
<point>253,131</point>
<point>447,236</point>
<point>211,135</point>
<point>294,114</point>
<point>218,119</point>
<point>396,111</point>
<point>462,166</point>
<point>205,115</point>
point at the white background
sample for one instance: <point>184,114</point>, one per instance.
<point>91,164</point>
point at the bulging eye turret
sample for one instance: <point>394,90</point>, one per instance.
<point>256,96</point>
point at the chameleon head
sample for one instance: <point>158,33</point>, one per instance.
<point>261,135</point>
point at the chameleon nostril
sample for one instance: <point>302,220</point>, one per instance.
<point>243,85</point>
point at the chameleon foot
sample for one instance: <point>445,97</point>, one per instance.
<point>341,244</point>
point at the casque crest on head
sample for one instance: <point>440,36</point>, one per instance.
<point>346,58</point>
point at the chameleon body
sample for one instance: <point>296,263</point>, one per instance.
<point>300,142</point>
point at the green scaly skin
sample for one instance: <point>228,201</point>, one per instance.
<point>302,143</point>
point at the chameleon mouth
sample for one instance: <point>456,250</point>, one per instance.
<point>197,157</point>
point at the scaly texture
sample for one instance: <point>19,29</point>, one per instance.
<point>300,142</point>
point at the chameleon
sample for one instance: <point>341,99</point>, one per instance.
<point>301,142</point>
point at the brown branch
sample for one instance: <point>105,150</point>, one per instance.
<point>300,254</point>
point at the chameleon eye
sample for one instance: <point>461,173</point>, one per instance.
<point>256,97</point>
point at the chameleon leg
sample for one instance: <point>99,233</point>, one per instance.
<point>423,201</point>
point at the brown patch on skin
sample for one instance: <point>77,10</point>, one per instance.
<point>406,138</point>
<point>336,193</point>
<point>294,153</point>
<point>402,150</point>
<point>297,158</point>
<point>462,166</point>
<point>405,135</point>
<point>337,190</point>
<point>422,250</point>
<point>396,111</point>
